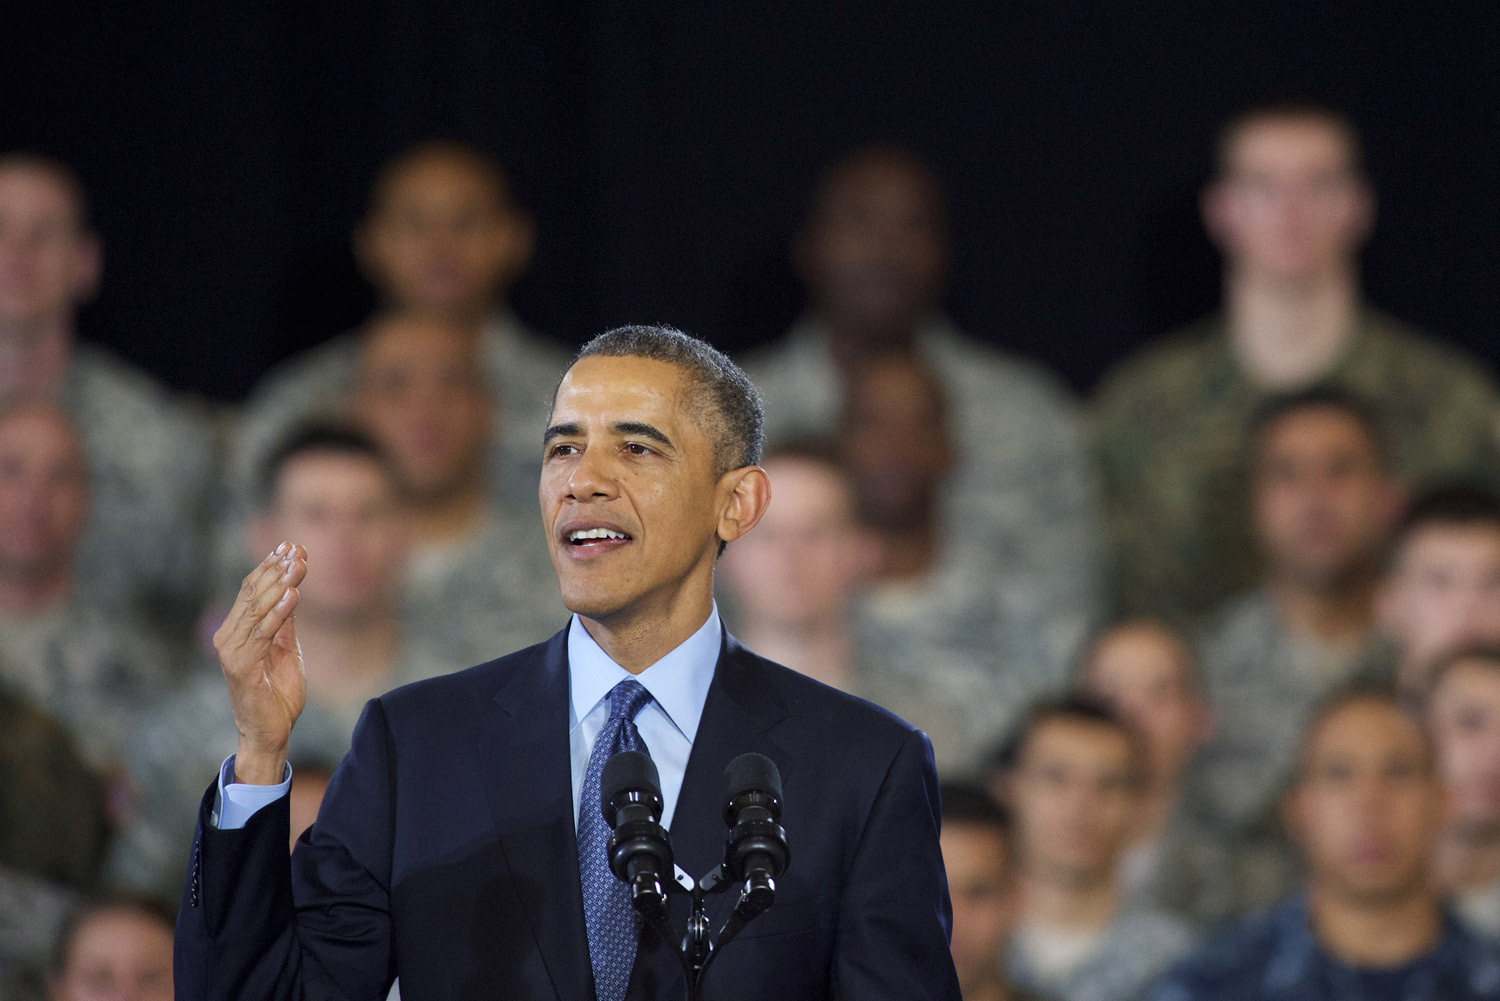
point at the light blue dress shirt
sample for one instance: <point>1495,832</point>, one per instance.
<point>678,684</point>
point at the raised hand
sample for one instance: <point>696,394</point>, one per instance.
<point>257,647</point>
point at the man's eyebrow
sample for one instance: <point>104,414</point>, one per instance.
<point>644,431</point>
<point>558,431</point>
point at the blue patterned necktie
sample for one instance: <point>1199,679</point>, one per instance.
<point>613,928</point>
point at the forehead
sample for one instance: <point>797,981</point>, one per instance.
<point>1452,544</point>
<point>440,175</point>
<point>314,476</point>
<point>880,181</point>
<point>37,191</point>
<point>894,389</point>
<point>1315,429</point>
<point>1080,742</point>
<point>1366,729</point>
<point>1288,143</point>
<point>613,388</point>
<point>1140,653</point>
<point>805,486</point>
<point>1468,681</point>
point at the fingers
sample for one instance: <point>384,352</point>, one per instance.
<point>264,591</point>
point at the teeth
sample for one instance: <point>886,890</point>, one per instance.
<point>594,533</point>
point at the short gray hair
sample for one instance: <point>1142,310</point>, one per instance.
<point>727,401</point>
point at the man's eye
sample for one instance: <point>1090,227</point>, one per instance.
<point>636,448</point>
<point>564,450</point>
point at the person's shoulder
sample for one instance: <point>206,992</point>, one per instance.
<point>1177,361</point>
<point>843,720</point>
<point>1414,353</point>
<point>1229,964</point>
<point>312,371</point>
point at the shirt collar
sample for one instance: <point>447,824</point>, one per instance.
<point>678,682</point>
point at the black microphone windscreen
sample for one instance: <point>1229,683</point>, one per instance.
<point>627,771</point>
<point>751,772</point>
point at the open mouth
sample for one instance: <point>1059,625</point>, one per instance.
<point>596,539</point>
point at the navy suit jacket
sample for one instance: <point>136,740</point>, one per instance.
<point>445,852</point>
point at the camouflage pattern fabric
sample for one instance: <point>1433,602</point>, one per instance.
<point>1139,944</point>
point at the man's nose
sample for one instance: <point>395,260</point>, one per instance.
<point>592,475</point>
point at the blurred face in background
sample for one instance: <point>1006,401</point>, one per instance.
<point>981,885</point>
<point>118,954</point>
<point>1442,593</point>
<point>1323,499</point>
<point>43,493</point>
<point>1289,206</point>
<point>1464,715</point>
<point>875,250</point>
<point>345,510</point>
<point>422,398</point>
<point>1075,792</point>
<point>1145,673</point>
<point>1367,805</point>
<point>443,237</point>
<point>49,263</point>
<point>895,438</point>
<point>796,571</point>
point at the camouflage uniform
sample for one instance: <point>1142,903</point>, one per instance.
<point>90,666</point>
<point>32,912</point>
<point>151,463</point>
<point>1138,945</point>
<point>1023,486</point>
<point>488,595</point>
<point>975,637</point>
<point>1264,684</point>
<point>521,369</point>
<point>1170,426</point>
<point>178,748</point>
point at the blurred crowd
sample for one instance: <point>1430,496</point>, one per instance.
<point>1210,662</point>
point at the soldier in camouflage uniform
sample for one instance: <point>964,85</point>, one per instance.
<point>956,609</point>
<point>442,238</point>
<point>1289,210</point>
<point>873,256</point>
<point>335,490</point>
<point>1074,773</point>
<point>1324,499</point>
<point>53,832</point>
<point>481,570</point>
<point>86,662</point>
<point>150,457</point>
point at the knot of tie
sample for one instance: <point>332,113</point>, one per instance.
<point>627,699</point>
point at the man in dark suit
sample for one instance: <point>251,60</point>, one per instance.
<point>447,851</point>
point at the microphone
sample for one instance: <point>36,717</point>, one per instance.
<point>757,851</point>
<point>639,850</point>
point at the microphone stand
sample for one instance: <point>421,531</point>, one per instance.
<point>698,950</point>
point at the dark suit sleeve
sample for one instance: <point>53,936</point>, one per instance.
<point>894,916</point>
<point>245,934</point>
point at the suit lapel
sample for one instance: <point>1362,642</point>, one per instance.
<point>530,792</point>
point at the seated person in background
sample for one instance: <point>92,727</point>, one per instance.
<point>442,238</point>
<point>336,489</point>
<point>1324,498</point>
<point>1463,712</point>
<point>1074,781</point>
<point>1441,588</point>
<point>789,589</point>
<point>149,458</point>
<point>481,572</point>
<point>1289,210</point>
<point>1147,674</point>
<point>53,831</point>
<point>873,255</point>
<point>979,856</point>
<point>115,949</point>
<point>1365,808</point>
<point>954,609</point>
<point>80,657</point>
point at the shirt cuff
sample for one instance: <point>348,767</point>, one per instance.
<point>236,802</point>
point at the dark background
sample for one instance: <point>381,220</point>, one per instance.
<point>667,151</point>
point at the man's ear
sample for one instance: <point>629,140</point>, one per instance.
<point>1213,209</point>
<point>1292,816</point>
<point>519,246</point>
<point>747,494</point>
<point>90,268</point>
